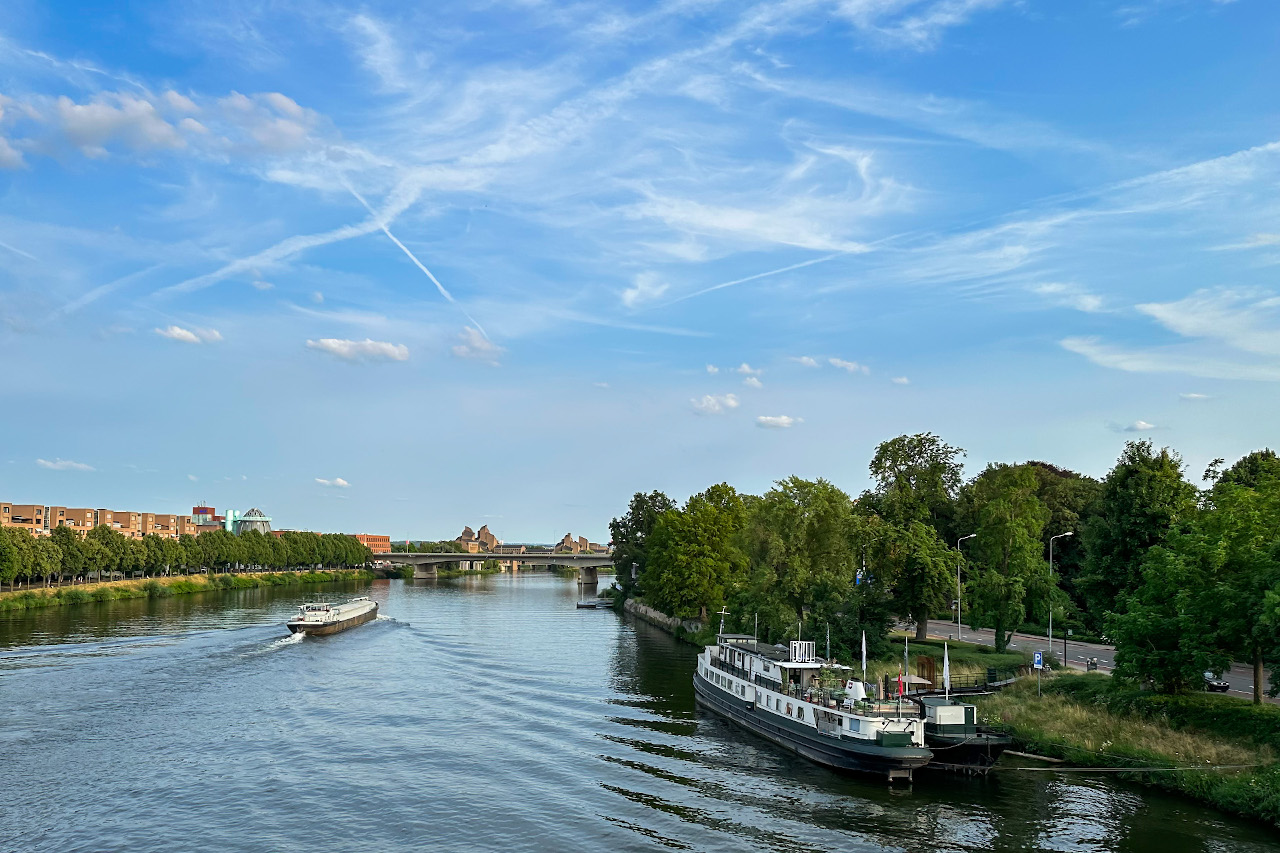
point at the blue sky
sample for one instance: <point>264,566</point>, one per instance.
<point>390,269</point>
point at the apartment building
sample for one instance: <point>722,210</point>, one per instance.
<point>376,544</point>
<point>30,516</point>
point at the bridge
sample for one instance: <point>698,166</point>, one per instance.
<point>425,563</point>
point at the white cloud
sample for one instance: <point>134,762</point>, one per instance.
<point>63,465</point>
<point>1140,426</point>
<point>715,404</point>
<point>190,336</point>
<point>850,366</point>
<point>335,483</point>
<point>1194,396</point>
<point>777,421</point>
<point>317,297</point>
<point>1229,334</point>
<point>604,385</point>
<point>752,382</point>
<point>262,285</point>
<point>807,361</point>
<point>473,344</point>
<point>10,157</point>
<point>900,380</point>
<point>645,287</point>
<point>366,350</point>
<point>1070,296</point>
<point>712,369</point>
<point>193,478</point>
<point>747,370</point>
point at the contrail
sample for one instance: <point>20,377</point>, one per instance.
<point>440,287</point>
<point>18,251</point>
<point>723,285</point>
<point>101,290</point>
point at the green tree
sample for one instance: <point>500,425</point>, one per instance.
<point>109,557</point>
<point>920,568</point>
<point>1011,573</point>
<point>1160,631</point>
<point>917,478</point>
<point>1143,499</point>
<point>801,545</point>
<point>1068,496</point>
<point>71,548</point>
<point>692,554</point>
<point>15,554</point>
<point>46,558</point>
<point>630,534</point>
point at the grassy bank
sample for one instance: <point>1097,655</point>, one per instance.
<point>1079,721</point>
<point>30,599</point>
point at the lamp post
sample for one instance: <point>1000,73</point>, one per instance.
<point>959,560</point>
<point>1050,647</point>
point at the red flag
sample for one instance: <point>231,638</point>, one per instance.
<point>899,682</point>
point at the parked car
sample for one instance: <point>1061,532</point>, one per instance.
<point>1214,684</point>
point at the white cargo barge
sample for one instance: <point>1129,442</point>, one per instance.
<point>321,619</point>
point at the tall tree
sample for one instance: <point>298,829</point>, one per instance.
<point>693,556</point>
<point>71,549</point>
<point>1011,574</point>
<point>1143,498</point>
<point>917,478</point>
<point>631,532</point>
<point>1068,496</point>
<point>920,567</point>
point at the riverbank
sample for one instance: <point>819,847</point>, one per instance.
<point>30,599</point>
<point>1074,723</point>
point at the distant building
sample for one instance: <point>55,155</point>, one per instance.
<point>376,544</point>
<point>477,542</point>
<point>254,519</point>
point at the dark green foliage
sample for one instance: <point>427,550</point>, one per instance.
<point>631,532</point>
<point>1010,576</point>
<point>1143,499</point>
<point>917,478</point>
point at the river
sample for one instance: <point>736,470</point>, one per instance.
<point>477,714</point>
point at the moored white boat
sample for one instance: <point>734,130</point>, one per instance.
<point>799,701</point>
<point>319,619</point>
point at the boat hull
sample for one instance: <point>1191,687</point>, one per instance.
<point>973,754</point>
<point>313,629</point>
<point>839,754</point>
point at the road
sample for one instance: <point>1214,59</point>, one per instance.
<point>1240,677</point>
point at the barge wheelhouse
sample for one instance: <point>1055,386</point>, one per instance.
<point>809,706</point>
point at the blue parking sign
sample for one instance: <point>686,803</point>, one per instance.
<point>1039,660</point>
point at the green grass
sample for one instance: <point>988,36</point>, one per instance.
<point>164,587</point>
<point>1069,722</point>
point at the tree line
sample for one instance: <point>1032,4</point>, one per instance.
<point>105,551</point>
<point>1183,580</point>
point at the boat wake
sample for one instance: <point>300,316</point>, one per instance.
<point>278,643</point>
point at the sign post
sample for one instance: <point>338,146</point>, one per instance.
<point>1038,663</point>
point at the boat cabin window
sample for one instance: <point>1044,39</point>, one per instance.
<point>800,713</point>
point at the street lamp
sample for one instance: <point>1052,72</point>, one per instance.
<point>1051,538</point>
<point>959,560</point>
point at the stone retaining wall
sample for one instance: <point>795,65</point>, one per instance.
<point>662,620</point>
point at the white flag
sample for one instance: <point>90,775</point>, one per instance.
<point>864,655</point>
<point>946,670</point>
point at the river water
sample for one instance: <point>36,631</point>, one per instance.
<point>476,714</point>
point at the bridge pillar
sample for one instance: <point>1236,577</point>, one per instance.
<point>424,571</point>
<point>588,576</point>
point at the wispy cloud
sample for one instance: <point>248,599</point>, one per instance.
<point>900,380</point>
<point>357,351</point>
<point>807,361</point>
<point>1194,397</point>
<point>645,287</point>
<point>335,483</point>
<point>1228,334</point>
<point>848,366</point>
<point>714,404</point>
<point>473,345</point>
<point>1070,296</point>
<point>777,421</point>
<point>712,369</point>
<point>63,465</point>
<point>190,336</point>
<point>753,382</point>
<point>747,370</point>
